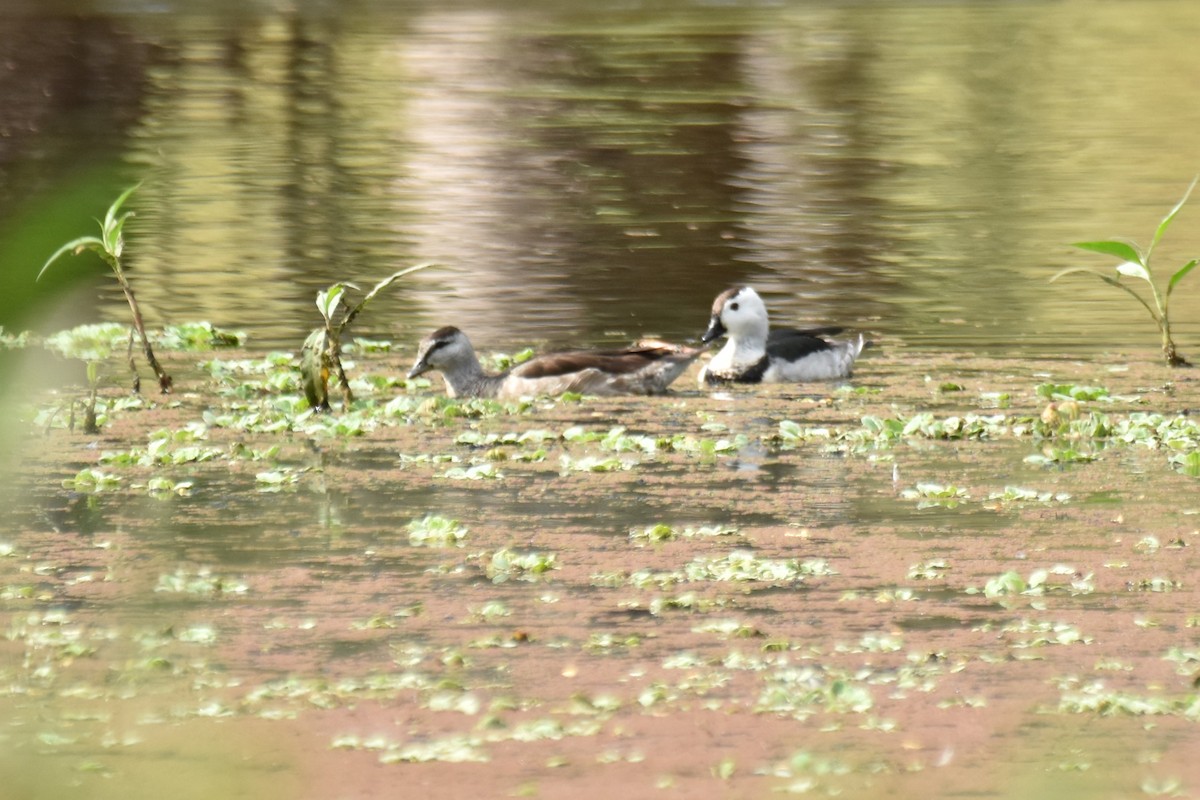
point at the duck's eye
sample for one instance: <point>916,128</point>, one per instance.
<point>733,306</point>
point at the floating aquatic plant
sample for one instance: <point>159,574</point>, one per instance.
<point>203,581</point>
<point>1188,464</point>
<point>1071,391</point>
<point>92,480</point>
<point>91,344</point>
<point>1020,494</point>
<point>1135,263</point>
<point>506,564</point>
<point>504,361</point>
<point>276,479</point>
<point>109,246</point>
<point>475,472</point>
<point>1038,583</point>
<point>593,464</point>
<point>803,691</point>
<point>745,565</point>
<point>163,487</point>
<point>930,495</point>
<point>11,341</point>
<point>1096,698</point>
<point>197,336</point>
<point>436,531</point>
<point>933,569</point>
<point>665,533</point>
<point>1054,456</point>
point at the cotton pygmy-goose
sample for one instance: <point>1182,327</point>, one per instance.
<point>648,367</point>
<point>755,354</point>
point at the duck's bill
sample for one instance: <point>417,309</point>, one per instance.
<point>419,368</point>
<point>715,330</point>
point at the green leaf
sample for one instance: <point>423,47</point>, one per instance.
<point>1178,276</point>
<point>1112,282</point>
<point>1074,270</point>
<point>77,245</point>
<point>327,301</point>
<point>379,287</point>
<point>1133,270</point>
<point>1162,226</point>
<point>114,240</point>
<point>1122,250</point>
<point>110,218</point>
<point>113,224</point>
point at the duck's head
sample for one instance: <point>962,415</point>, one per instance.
<point>738,312</point>
<point>440,349</point>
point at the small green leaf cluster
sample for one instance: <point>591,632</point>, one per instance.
<point>1071,441</point>
<point>202,581</point>
<point>1020,494</point>
<point>662,532</point>
<point>276,480</point>
<point>159,450</point>
<point>198,336</point>
<point>474,472</point>
<point>92,342</point>
<point>619,440</point>
<point>567,464</point>
<point>502,361</point>
<point>1095,698</point>
<point>1038,583</point>
<point>738,566</point>
<point>936,494</point>
<point>14,341</point>
<point>803,691</point>
<point>933,569</point>
<point>436,531</point>
<point>163,487</point>
<point>92,480</point>
<point>506,564</point>
<point>1056,456</point>
<point>1071,391</point>
<point>1044,632</point>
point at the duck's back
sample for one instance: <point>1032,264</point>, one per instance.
<point>646,368</point>
<point>802,355</point>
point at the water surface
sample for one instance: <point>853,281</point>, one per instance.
<point>592,174</point>
<point>587,174</point>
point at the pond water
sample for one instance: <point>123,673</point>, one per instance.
<point>588,173</point>
<point>735,594</point>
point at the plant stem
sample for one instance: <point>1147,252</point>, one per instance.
<point>164,380</point>
<point>335,356</point>
<point>89,417</point>
<point>1171,354</point>
<point>137,379</point>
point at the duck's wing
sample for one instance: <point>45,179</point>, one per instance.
<point>612,362</point>
<point>784,333</point>
<point>789,344</point>
<point>546,380</point>
<point>648,367</point>
<point>806,356</point>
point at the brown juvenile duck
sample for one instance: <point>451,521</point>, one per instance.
<point>648,367</point>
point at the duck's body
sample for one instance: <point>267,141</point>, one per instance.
<point>648,367</point>
<point>755,354</point>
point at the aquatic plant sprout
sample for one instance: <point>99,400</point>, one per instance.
<point>109,246</point>
<point>1135,263</point>
<point>321,353</point>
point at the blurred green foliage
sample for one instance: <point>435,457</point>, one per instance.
<point>34,228</point>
